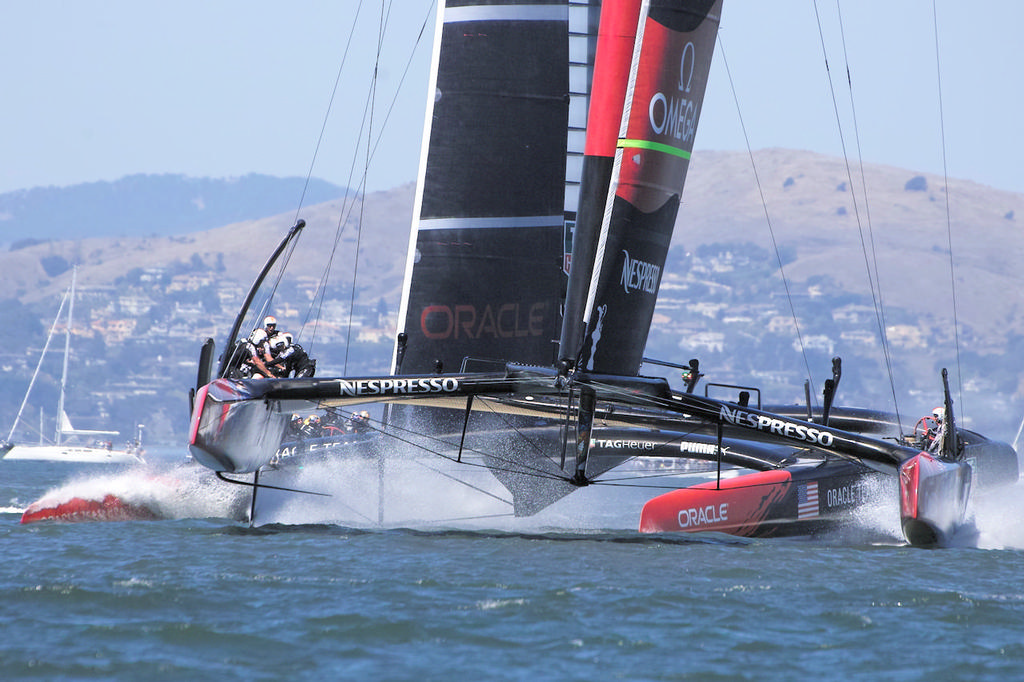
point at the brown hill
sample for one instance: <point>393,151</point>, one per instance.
<point>808,201</point>
<point>807,198</point>
<point>243,248</point>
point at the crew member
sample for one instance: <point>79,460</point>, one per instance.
<point>294,427</point>
<point>360,421</point>
<point>253,364</point>
<point>311,427</point>
<point>929,429</point>
<point>288,357</point>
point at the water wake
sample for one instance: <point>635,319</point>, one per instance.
<point>997,516</point>
<point>143,492</point>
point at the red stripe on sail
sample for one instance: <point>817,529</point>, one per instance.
<point>611,74</point>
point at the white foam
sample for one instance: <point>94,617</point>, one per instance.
<point>175,492</point>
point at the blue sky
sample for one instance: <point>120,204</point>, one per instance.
<point>98,90</point>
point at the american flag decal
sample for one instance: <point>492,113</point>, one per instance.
<point>807,500</point>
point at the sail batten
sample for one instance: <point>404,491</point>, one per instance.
<point>511,12</point>
<point>490,223</point>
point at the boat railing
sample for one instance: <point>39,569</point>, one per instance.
<point>743,393</point>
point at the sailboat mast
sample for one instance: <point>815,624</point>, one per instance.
<point>615,38</point>
<point>67,352</point>
<point>672,53</point>
<point>35,374</point>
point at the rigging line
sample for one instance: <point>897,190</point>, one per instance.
<point>514,467</point>
<point>327,114</point>
<point>949,228</point>
<point>871,259</point>
<point>384,16</point>
<point>628,397</point>
<point>849,176</point>
<point>347,206</point>
<point>342,217</point>
<point>654,476</point>
<point>510,426</point>
<point>466,484</point>
<point>35,374</point>
<point>520,467</point>
<point>394,99</point>
<point>474,517</point>
<point>408,64</point>
<point>720,46</point>
<point>281,266</point>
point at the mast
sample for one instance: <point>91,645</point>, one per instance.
<point>668,75</point>
<point>615,39</point>
<point>67,353</point>
<point>35,374</point>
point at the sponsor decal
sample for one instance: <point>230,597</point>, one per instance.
<point>703,516</point>
<point>700,448</point>
<point>807,500</point>
<point>844,496</point>
<point>637,274</point>
<point>502,321</point>
<point>617,444</point>
<point>568,231</point>
<point>778,427</point>
<point>596,335</point>
<point>399,386</point>
<point>675,114</point>
<point>288,451</point>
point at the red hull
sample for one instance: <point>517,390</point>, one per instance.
<point>738,506</point>
<point>110,508</point>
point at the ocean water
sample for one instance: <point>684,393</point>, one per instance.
<point>202,597</point>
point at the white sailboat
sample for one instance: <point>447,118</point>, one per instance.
<point>69,444</point>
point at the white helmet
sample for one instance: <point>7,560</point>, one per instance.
<point>939,413</point>
<point>257,337</point>
<point>269,320</point>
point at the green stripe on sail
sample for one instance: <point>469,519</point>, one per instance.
<point>654,146</point>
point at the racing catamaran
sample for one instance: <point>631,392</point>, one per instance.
<point>516,374</point>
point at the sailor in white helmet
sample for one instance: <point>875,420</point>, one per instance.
<point>289,358</point>
<point>253,363</point>
<point>270,327</point>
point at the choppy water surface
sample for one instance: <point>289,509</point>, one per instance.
<point>206,598</point>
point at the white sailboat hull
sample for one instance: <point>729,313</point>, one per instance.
<point>71,453</point>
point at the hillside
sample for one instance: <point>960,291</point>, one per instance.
<point>244,247</point>
<point>147,205</point>
<point>809,204</point>
<point>723,299</point>
<point>812,213</point>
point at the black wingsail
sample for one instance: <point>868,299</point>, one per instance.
<point>672,57</point>
<point>485,272</point>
